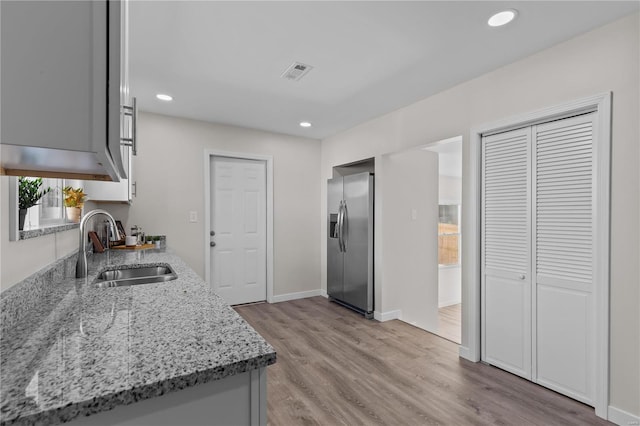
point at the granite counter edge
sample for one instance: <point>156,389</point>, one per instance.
<point>140,393</point>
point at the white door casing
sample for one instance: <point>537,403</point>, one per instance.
<point>589,335</point>
<point>472,337</point>
<point>268,160</point>
<point>238,219</point>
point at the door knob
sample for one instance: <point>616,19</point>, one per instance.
<point>212,244</point>
<point>521,276</point>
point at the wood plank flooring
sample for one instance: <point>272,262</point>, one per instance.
<point>336,368</point>
<point>450,323</point>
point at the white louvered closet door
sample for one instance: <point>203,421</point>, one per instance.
<point>506,251</point>
<point>538,304</point>
<point>563,223</point>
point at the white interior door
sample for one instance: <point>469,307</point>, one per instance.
<point>563,221</point>
<point>238,225</point>
<point>506,255</point>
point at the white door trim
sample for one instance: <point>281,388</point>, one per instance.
<point>471,274</point>
<point>268,159</point>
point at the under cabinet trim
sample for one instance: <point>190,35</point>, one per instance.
<point>54,175</point>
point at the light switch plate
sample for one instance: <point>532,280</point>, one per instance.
<point>193,216</point>
<point>414,214</point>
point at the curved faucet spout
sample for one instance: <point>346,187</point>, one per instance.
<point>81,265</point>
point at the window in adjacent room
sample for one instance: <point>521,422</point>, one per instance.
<point>51,209</point>
<point>449,235</point>
<point>47,215</point>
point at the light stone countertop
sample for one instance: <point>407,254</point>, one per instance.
<point>84,350</point>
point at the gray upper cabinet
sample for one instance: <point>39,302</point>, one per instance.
<point>122,191</point>
<point>64,82</point>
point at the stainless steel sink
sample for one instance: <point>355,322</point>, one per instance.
<point>133,276</point>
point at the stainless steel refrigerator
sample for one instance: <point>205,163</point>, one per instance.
<point>350,241</point>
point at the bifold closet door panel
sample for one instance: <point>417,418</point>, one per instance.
<point>563,223</point>
<point>506,251</point>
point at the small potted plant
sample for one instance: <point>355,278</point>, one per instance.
<point>74,201</point>
<point>154,239</point>
<point>29,194</point>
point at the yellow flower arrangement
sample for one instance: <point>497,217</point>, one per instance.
<point>73,197</point>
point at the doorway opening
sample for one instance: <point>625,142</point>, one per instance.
<point>449,237</point>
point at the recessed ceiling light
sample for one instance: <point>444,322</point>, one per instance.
<point>305,124</point>
<point>502,18</point>
<point>164,97</point>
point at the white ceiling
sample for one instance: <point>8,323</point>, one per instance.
<point>222,61</point>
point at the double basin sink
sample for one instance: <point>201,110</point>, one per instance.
<point>143,274</point>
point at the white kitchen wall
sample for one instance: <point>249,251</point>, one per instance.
<point>409,182</point>
<point>449,285</point>
<point>605,59</point>
<point>170,182</point>
<point>19,259</point>
<point>450,190</point>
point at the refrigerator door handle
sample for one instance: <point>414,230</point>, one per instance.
<point>339,227</point>
<point>344,225</point>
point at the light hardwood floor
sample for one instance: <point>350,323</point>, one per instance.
<point>450,323</point>
<point>336,368</point>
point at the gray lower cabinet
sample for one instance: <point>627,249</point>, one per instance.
<point>235,400</point>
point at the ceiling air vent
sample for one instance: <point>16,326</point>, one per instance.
<point>296,71</point>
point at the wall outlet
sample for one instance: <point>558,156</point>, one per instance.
<point>193,216</point>
<point>414,214</point>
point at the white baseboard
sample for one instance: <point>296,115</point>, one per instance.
<point>387,316</point>
<point>464,352</point>
<point>323,293</point>
<point>621,417</point>
<point>298,295</point>
<point>449,303</point>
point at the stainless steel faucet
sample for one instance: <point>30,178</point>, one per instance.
<point>81,265</point>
